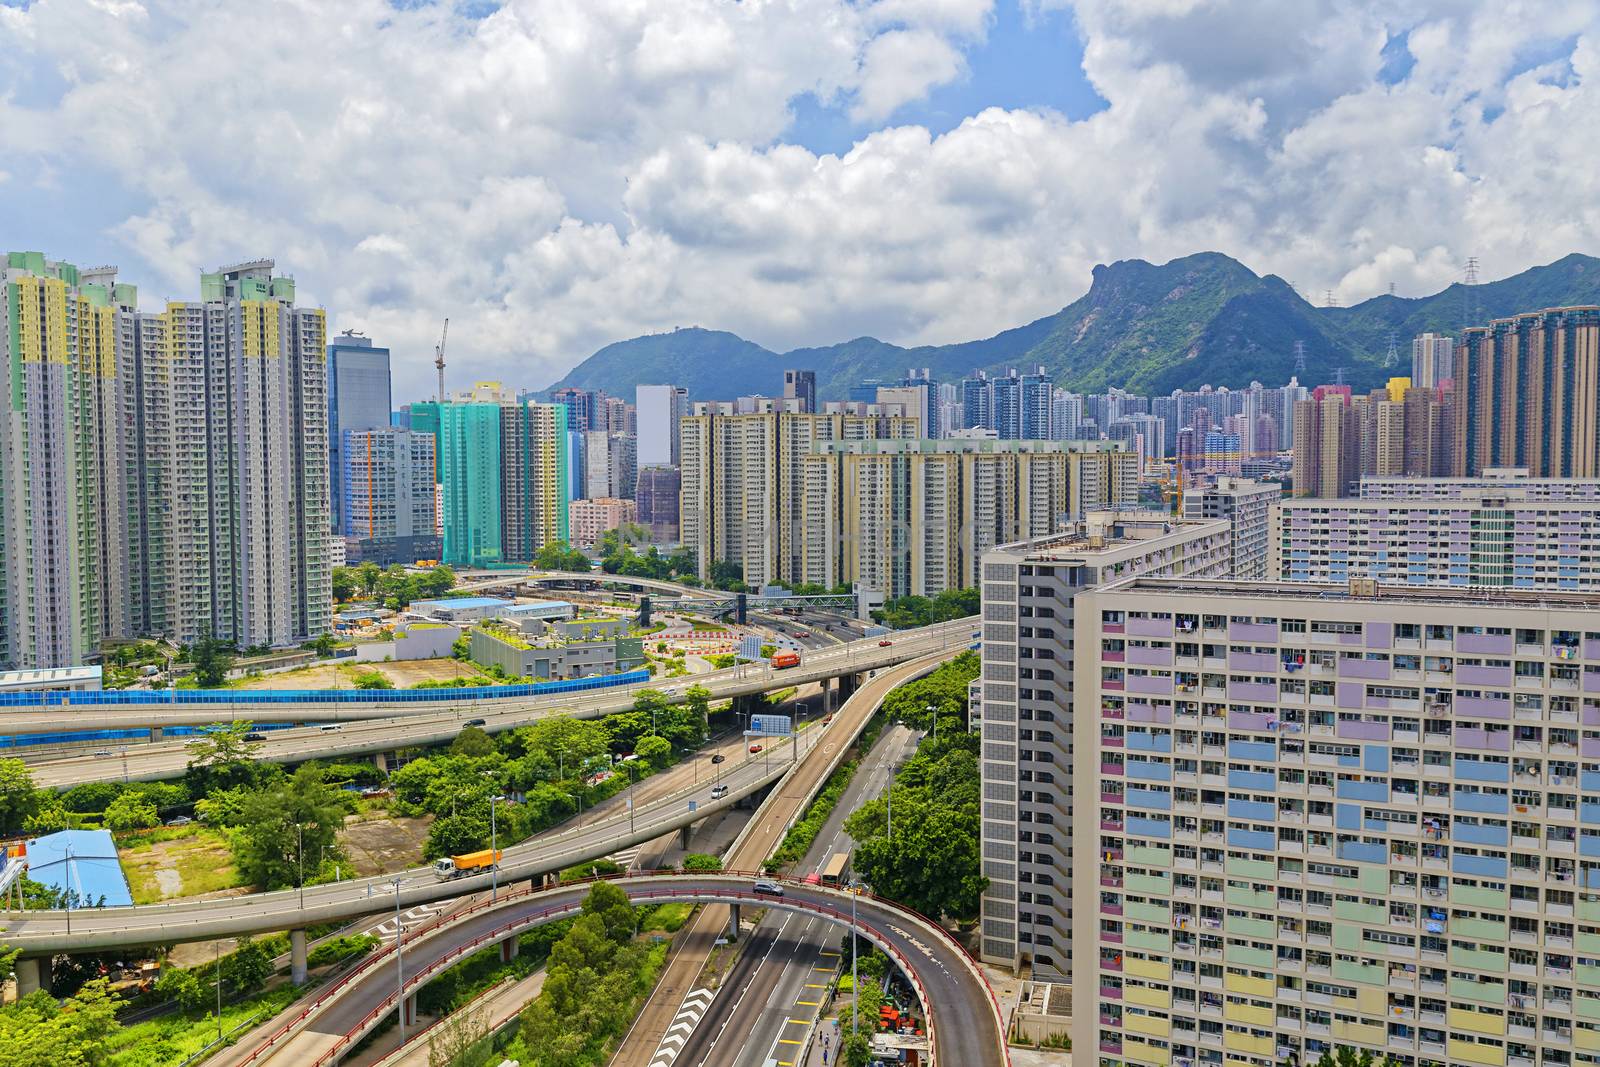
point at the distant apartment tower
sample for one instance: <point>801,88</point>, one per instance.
<point>1031,706</point>
<point>581,407</point>
<point>358,399</point>
<point>505,477</point>
<point>657,499</point>
<point>610,467</point>
<point>915,517</point>
<point>1432,359</point>
<point>659,407</point>
<point>590,519</point>
<point>388,496</point>
<point>742,481</point>
<point>1332,817</point>
<point>1327,449</point>
<point>1494,535</point>
<point>801,385</point>
<point>62,458</point>
<point>977,402</point>
<point>1527,394</point>
<point>1248,508</point>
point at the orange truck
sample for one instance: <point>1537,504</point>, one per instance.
<point>467,863</point>
<point>785,658</point>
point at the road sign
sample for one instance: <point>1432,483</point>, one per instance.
<point>750,647</point>
<point>771,725</point>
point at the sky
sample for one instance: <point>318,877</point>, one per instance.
<point>554,175</point>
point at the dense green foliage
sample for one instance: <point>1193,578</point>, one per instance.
<point>38,1031</point>
<point>620,554</point>
<point>286,832</point>
<point>904,612</point>
<point>394,588</point>
<point>1204,318</point>
<point>932,863</point>
<point>596,976</point>
<point>560,556</point>
<point>212,659</point>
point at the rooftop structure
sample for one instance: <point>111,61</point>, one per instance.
<point>83,864</point>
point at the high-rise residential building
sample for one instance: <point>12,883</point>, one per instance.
<point>1247,506</point>
<point>470,475</point>
<point>63,548</point>
<point>534,491</point>
<point>916,399</point>
<point>388,496</point>
<point>581,407</point>
<point>742,481</point>
<point>1432,360</point>
<point>1514,480</point>
<point>590,519</point>
<point>657,499</point>
<point>610,466</point>
<point>1033,398</point>
<point>1327,449</point>
<point>423,417</point>
<point>1498,534</point>
<point>977,402</point>
<point>1223,453</point>
<point>659,408</point>
<point>801,385</point>
<point>914,517</point>
<point>1527,394</point>
<point>235,395</point>
<point>358,399</point>
<point>1066,412</point>
<point>1005,398</point>
<point>1333,815</point>
<point>1031,706</point>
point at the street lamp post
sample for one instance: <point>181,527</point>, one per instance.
<point>399,965</point>
<point>300,857</point>
<point>494,852</point>
<point>933,713</point>
<point>855,986</point>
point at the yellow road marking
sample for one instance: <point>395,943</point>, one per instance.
<point>816,985</point>
<point>809,1003</point>
<point>787,1041</point>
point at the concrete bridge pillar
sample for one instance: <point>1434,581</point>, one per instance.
<point>31,974</point>
<point>297,957</point>
<point>510,948</point>
<point>409,1006</point>
<point>155,733</point>
<point>381,761</point>
<point>826,686</point>
<point>847,685</point>
<point>733,922</point>
<point>683,836</point>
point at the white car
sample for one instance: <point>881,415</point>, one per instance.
<point>718,792</point>
<point>771,889</point>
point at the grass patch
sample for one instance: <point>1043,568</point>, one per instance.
<point>198,855</point>
<point>667,918</point>
<point>172,1039</point>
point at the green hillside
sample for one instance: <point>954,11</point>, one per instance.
<point>1202,319</point>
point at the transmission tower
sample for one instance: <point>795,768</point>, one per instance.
<point>1338,376</point>
<point>1469,296</point>
<point>1329,300</point>
<point>1392,355</point>
<point>1391,288</point>
<point>1299,357</point>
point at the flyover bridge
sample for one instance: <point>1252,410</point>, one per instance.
<point>965,1025</point>
<point>378,726</point>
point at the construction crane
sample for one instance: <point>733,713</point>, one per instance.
<point>438,357</point>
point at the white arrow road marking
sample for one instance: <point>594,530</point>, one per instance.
<point>689,1014</point>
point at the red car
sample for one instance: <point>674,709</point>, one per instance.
<point>885,643</point>
<point>754,749</point>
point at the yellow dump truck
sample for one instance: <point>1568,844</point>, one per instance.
<point>468,863</point>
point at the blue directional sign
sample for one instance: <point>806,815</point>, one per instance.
<point>771,725</point>
<point>750,647</point>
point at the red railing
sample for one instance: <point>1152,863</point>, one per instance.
<point>716,895</point>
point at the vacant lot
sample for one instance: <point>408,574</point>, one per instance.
<point>172,863</point>
<point>401,675</point>
<point>379,843</point>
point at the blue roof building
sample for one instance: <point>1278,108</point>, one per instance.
<point>84,862</point>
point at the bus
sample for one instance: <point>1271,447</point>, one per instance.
<point>833,871</point>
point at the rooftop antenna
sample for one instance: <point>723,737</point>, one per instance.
<point>438,357</point>
<point>1299,357</point>
<point>1391,288</point>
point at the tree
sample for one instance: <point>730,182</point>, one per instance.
<point>367,576</point>
<point>472,742</point>
<point>222,757</point>
<point>19,799</point>
<point>700,861</point>
<point>372,679</point>
<point>697,702</point>
<point>131,811</point>
<point>855,1050</point>
<point>451,835</point>
<point>212,660</point>
<point>654,750</point>
<point>281,827</point>
<point>247,967</point>
<point>727,576</point>
<point>324,645</point>
<point>560,556</point>
<point>184,988</point>
<point>344,584</point>
<point>611,904</point>
<point>455,1040</point>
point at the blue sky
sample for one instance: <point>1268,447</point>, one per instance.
<point>555,175</point>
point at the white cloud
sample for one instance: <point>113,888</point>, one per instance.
<point>564,173</point>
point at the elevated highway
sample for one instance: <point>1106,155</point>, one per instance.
<point>964,1020</point>
<point>378,726</point>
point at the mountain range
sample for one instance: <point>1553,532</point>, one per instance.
<point>1202,319</point>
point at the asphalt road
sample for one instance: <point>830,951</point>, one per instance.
<point>378,727</point>
<point>967,1028</point>
<point>783,996</point>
